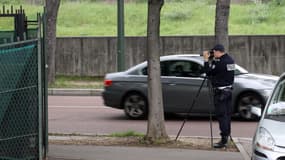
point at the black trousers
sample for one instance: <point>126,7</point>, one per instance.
<point>223,110</point>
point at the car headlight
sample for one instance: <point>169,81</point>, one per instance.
<point>264,139</point>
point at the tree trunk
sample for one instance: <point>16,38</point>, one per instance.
<point>156,127</point>
<point>52,7</point>
<point>221,23</point>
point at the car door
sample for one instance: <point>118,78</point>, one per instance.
<point>181,81</point>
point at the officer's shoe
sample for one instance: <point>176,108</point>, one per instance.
<point>222,143</point>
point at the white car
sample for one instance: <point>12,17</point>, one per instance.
<point>269,139</point>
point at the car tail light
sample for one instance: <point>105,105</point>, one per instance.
<point>107,82</point>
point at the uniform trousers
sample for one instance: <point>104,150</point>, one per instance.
<point>223,109</point>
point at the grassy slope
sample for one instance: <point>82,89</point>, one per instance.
<point>187,18</point>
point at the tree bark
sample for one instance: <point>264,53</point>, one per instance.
<point>221,23</point>
<point>156,127</point>
<point>52,7</point>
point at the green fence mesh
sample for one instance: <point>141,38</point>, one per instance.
<point>19,102</point>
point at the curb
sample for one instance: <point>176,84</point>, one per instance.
<point>79,136</point>
<point>241,149</point>
<point>74,92</point>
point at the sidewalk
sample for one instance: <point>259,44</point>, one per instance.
<point>73,152</point>
<point>91,152</point>
<point>77,151</point>
<point>70,148</point>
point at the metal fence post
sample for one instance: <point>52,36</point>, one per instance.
<point>40,90</point>
<point>45,69</point>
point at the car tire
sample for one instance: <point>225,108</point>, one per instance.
<point>135,106</point>
<point>244,104</point>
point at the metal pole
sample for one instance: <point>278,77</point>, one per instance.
<point>120,39</point>
<point>40,109</point>
<point>45,69</point>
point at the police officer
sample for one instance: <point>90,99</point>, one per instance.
<point>220,70</point>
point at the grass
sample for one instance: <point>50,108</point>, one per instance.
<point>127,134</point>
<point>183,17</point>
<point>77,82</point>
<point>139,141</point>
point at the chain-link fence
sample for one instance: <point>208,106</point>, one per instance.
<point>20,111</point>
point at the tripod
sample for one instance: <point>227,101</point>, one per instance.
<point>192,105</point>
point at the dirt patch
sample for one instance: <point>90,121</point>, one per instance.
<point>184,143</point>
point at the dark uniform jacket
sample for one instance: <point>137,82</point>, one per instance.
<point>221,71</point>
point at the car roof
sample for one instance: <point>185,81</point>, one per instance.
<point>181,56</point>
<point>193,57</point>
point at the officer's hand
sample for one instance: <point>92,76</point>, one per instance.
<point>206,56</point>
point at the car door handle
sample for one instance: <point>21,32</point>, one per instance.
<point>172,84</point>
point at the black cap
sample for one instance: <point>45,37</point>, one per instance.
<point>219,47</point>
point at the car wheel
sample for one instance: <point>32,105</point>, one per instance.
<point>245,102</point>
<point>135,106</point>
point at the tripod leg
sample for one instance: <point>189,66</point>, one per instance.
<point>211,129</point>
<point>190,109</point>
<point>231,138</point>
<point>211,103</point>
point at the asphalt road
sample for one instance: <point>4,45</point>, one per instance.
<point>88,115</point>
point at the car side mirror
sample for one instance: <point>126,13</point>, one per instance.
<point>256,111</point>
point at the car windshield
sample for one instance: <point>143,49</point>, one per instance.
<point>276,108</point>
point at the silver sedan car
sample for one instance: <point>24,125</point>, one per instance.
<point>181,78</point>
<point>269,139</point>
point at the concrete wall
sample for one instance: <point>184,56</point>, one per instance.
<point>95,56</point>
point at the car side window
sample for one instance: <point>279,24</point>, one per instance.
<point>178,68</point>
<point>183,68</point>
<point>144,71</point>
<point>162,70</point>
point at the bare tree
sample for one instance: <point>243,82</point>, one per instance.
<point>221,23</point>
<point>52,7</point>
<point>156,127</point>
